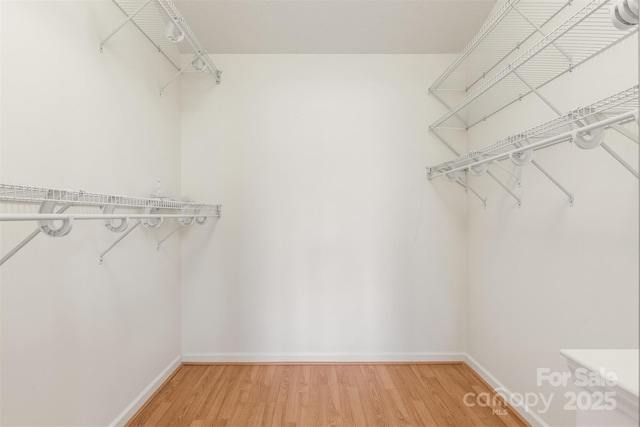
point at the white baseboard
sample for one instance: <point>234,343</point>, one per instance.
<point>321,357</point>
<point>140,400</point>
<point>530,416</point>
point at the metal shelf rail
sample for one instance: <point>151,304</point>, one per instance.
<point>585,34</point>
<point>583,126</point>
<point>54,221</point>
<point>163,25</point>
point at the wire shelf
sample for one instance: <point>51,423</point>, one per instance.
<point>151,21</point>
<point>28,194</point>
<point>619,103</point>
<point>585,34</point>
<point>511,26</point>
<point>163,25</point>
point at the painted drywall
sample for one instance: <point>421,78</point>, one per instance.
<point>549,276</point>
<point>332,245</point>
<point>80,341</point>
<point>0,226</point>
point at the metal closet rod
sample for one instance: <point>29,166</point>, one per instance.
<point>617,100</point>
<point>189,212</point>
<point>540,144</point>
<point>62,217</point>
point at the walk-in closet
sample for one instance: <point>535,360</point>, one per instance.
<point>319,213</point>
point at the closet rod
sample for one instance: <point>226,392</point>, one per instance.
<point>555,139</point>
<point>625,100</point>
<point>62,217</point>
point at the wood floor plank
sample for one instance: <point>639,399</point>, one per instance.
<point>300,395</point>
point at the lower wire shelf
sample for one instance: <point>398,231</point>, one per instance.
<point>54,220</point>
<point>583,126</point>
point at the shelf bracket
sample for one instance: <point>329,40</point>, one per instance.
<point>552,179</point>
<point>467,187</point>
<point>113,245</point>
<point>504,187</point>
<point>620,159</point>
<point>29,238</point>
<point>537,92</point>
<point>515,175</point>
<point>538,29</point>
<point>126,21</point>
<point>435,95</point>
<point>177,227</point>
<point>445,142</point>
<point>180,71</point>
<point>624,131</point>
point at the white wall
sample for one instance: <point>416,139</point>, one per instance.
<point>80,341</point>
<point>332,245</point>
<point>549,276</point>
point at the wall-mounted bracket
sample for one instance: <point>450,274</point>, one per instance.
<point>29,238</point>
<point>125,22</point>
<point>453,150</point>
<point>447,106</point>
<point>467,187</point>
<point>165,27</point>
<point>176,228</point>
<point>118,240</point>
<point>513,174</point>
<point>539,30</point>
<point>552,179</point>
<point>620,160</point>
<point>538,94</point>
<point>624,131</point>
<point>505,188</point>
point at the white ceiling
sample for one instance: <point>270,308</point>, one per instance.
<point>334,26</point>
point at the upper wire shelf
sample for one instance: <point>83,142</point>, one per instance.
<point>515,22</point>
<point>162,24</point>
<point>612,106</point>
<point>583,35</point>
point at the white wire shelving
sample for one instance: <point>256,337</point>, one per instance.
<point>584,126</point>
<point>583,35</point>
<point>162,24</point>
<point>614,105</point>
<point>515,22</point>
<point>54,220</point>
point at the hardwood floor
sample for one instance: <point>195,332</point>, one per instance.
<point>323,395</point>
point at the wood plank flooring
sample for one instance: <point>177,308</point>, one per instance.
<point>322,395</point>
